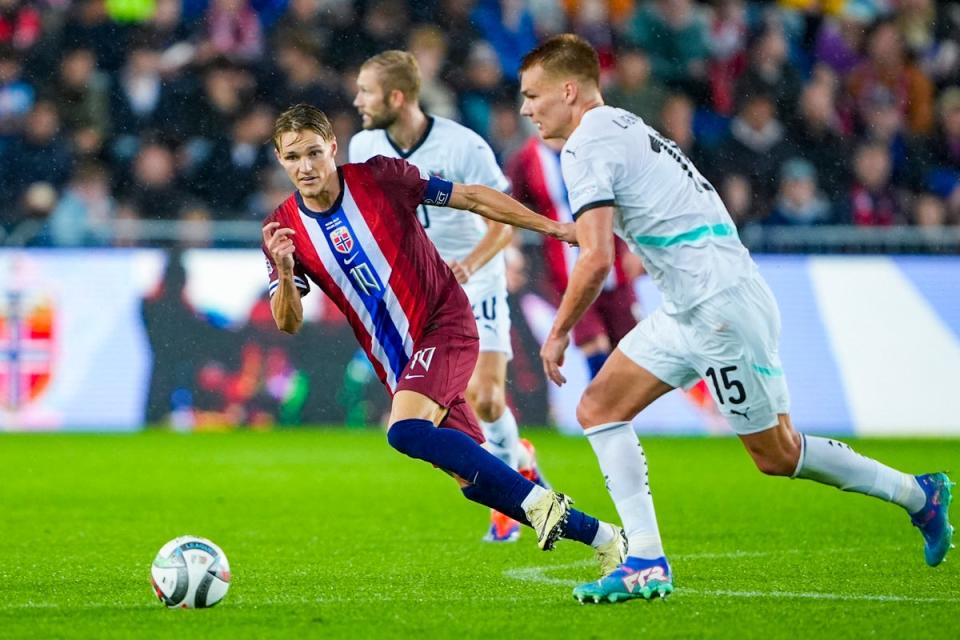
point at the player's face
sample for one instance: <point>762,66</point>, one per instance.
<point>546,101</point>
<point>372,102</point>
<point>308,160</point>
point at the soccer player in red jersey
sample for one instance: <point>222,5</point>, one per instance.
<point>353,231</point>
<point>534,173</point>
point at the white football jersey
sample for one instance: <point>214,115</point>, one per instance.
<point>665,210</point>
<point>455,153</point>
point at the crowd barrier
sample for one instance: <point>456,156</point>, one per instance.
<point>112,340</point>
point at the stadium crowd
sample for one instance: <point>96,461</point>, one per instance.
<point>799,112</point>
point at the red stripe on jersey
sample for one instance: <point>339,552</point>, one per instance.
<point>390,227</point>
<point>306,253</point>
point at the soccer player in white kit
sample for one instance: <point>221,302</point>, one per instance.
<point>395,126</point>
<point>718,321</point>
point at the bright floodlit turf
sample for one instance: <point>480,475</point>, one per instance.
<point>332,534</point>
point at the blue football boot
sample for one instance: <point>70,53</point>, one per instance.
<point>635,578</point>
<point>933,520</point>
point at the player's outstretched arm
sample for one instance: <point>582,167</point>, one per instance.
<point>597,249</point>
<point>500,207</point>
<point>285,304</point>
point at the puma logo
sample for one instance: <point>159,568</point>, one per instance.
<point>742,413</point>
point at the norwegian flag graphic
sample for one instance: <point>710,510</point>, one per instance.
<point>342,240</point>
<point>26,348</point>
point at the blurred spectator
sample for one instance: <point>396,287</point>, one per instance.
<point>887,66</point>
<point>140,100</point>
<point>737,196</point>
<point>676,35</point>
<point>929,211</point>
<point>303,21</point>
<point>90,27</point>
<point>872,200</point>
<point>429,47</point>
<point>508,26</point>
<point>814,136</point>
<point>454,20</point>
<point>676,120</point>
<point>756,147</point>
<point>770,71</point>
<point>506,130</point>
<point>384,27</point>
<point>728,52</point>
<point>40,154</point>
<point>154,192</point>
<point>634,89</point>
<point>82,93</point>
<point>226,90</point>
<point>883,123</point>
<point>840,38</point>
<point>86,210</point>
<point>799,202</point>
<point>16,93</point>
<point>230,174</point>
<point>233,31</point>
<point>943,174</point>
<point>304,78</point>
<point>29,228</point>
<point>20,24</point>
<point>482,88</point>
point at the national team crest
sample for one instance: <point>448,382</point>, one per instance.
<point>342,240</point>
<point>26,347</point>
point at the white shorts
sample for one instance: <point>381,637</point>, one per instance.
<point>489,303</point>
<point>732,341</point>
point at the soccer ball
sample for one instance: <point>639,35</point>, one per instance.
<point>190,572</point>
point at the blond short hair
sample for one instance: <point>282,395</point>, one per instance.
<point>398,71</point>
<point>563,56</point>
<point>302,117</point>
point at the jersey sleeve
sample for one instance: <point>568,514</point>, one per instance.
<point>273,274</point>
<point>588,173</point>
<point>479,165</point>
<point>408,185</point>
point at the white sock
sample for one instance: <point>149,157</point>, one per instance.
<point>624,468</point>
<point>535,494</point>
<point>835,463</point>
<point>503,438</point>
<point>605,533</point>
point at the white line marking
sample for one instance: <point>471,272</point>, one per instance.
<point>539,576</point>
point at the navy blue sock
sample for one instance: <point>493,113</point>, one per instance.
<point>580,526</point>
<point>455,452</point>
<point>595,362</point>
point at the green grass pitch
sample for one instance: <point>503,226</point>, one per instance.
<point>332,534</point>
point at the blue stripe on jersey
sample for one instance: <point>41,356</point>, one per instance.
<point>369,287</point>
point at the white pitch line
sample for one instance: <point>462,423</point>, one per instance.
<point>539,576</point>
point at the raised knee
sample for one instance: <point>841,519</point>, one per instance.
<point>407,436</point>
<point>488,403</point>
<point>780,463</point>
<point>589,412</point>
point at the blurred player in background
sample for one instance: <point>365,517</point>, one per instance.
<point>388,88</point>
<point>353,231</point>
<point>718,321</point>
<point>534,173</point>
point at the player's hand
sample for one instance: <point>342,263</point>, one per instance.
<point>279,242</point>
<point>551,354</point>
<point>566,232</point>
<point>460,270</point>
